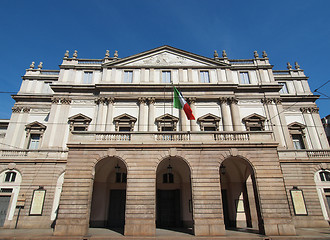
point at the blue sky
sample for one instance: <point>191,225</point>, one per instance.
<point>289,31</point>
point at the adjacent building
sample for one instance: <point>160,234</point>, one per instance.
<point>98,143</point>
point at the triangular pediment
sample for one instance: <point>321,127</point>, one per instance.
<point>80,118</point>
<point>254,117</point>
<point>208,118</point>
<point>35,125</point>
<point>296,125</point>
<point>167,118</point>
<point>125,118</point>
<point>165,56</point>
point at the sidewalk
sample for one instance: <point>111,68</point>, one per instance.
<point>161,234</point>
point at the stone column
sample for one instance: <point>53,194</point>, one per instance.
<point>151,117</point>
<point>226,119</point>
<point>282,123</point>
<point>235,116</point>
<point>100,113</point>
<point>319,127</point>
<point>311,131</point>
<point>109,121</point>
<point>142,103</point>
<point>193,123</point>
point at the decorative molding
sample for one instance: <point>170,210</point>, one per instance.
<point>314,110</point>
<point>304,109</point>
<point>191,100</point>
<point>277,100</point>
<point>16,109</point>
<point>55,100</point>
<point>65,101</point>
<point>266,100</point>
<point>142,100</point>
<point>26,109</point>
<point>40,110</point>
<point>82,101</point>
<point>151,100</point>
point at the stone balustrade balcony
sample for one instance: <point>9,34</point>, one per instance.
<point>303,154</point>
<point>232,138</point>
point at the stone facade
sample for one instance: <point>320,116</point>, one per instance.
<point>101,140</point>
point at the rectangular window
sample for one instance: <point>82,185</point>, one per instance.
<point>88,77</point>
<point>284,89</point>
<point>128,76</point>
<point>205,78</point>
<point>166,77</point>
<point>298,142</point>
<point>244,78</point>
<point>34,141</point>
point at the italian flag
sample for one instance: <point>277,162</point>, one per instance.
<point>180,103</point>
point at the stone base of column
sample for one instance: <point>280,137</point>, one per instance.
<point>280,229</point>
<point>71,227</point>
<point>140,227</point>
<point>209,227</point>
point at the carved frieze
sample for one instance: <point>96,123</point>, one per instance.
<point>16,109</point>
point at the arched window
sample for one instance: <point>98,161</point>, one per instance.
<point>10,181</point>
<point>322,182</point>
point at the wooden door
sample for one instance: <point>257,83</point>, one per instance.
<point>116,217</point>
<point>168,208</point>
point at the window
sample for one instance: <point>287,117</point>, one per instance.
<point>168,178</point>
<point>297,134</point>
<point>79,122</point>
<point>121,177</point>
<point>166,77</point>
<point>204,76</point>
<point>34,133</point>
<point>254,122</point>
<point>88,76</point>
<point>166,122</point>
<point>209,122</point>
<point>124,123</point>
<point>284,89</point>
<point>128,76</point>
<point>325,176</point>
<point>244,78</point>
<point>10,176</point>
<point>297,141</point>
<point>34,141</point>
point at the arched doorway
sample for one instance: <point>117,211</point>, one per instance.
<point>174,201</point>
<point>240,199</point>
<point>109,194</point>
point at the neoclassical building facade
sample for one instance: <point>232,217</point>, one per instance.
<point>98,143</point>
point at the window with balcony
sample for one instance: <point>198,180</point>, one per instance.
<point>34,133</point>
<point>128,76</point>
<point>209,122</point>
<point>79,122</point>
<point>167,122</point>
<point>254,122</point>
<point>88,77</point>
<point>297,135</point>
<point>204,76</point>
<point>166,76</point>
<point>284,89</point>
<point>244,78</point>
<point>124,123</point>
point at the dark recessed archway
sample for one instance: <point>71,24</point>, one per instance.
<point>240,199</point>
<point>173,200</point>
<point>109,194</point>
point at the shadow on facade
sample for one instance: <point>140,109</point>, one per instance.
<point>109,195</point>
<point>241,208</point>
<point>173,196</point>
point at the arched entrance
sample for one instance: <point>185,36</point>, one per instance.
<point>109,194</point>
<point>240,200</point>
<point>174,201</point>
